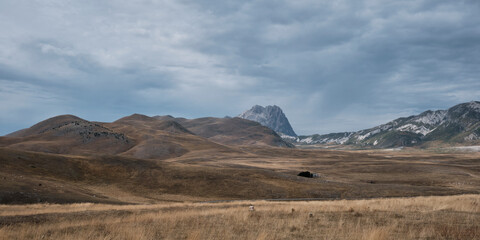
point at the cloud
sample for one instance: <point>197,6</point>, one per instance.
<point>20,100</point>
<point>331,65</point>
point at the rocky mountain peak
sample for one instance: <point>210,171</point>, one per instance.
<point>270,116</point>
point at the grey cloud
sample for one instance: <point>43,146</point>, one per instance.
<point>326,63</point>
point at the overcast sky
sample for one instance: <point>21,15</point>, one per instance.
<point>330,65</point>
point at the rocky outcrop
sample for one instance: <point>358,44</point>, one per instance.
<point>271,117</point>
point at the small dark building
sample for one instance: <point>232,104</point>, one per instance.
<point>306,174</point>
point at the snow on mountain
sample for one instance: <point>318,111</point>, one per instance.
<point>284,136</point>
<point>474,106</point>
<point>458,124</point>
<point>362,137</point>
<point>334,141</point>
<point>415,129</point>
<point>307,140</point>
<point>339,140</point>
<point>332,138</point>
<point>431,117</point>
<point>472,137</point>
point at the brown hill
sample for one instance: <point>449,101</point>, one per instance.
<point>139,136</point>
<point>168,125</point>
<point>231,131</point>
<point>68,134</point>
<point>160,139</point>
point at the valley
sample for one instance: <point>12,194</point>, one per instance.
<point>220,120</point>
<point>167,177</point>
<point>245,173</point>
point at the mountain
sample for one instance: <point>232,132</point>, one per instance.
<point>331,138</point>
<point>136,136</point>
<point>140,136</point>
<point>270,116</point>
<point>231,131</point>
<point>457,125</point>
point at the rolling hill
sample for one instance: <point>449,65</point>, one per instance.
<point>68,134</point>
<point>231,131</point>
<point>140,136</point>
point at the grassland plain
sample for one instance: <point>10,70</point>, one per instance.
<point>246,173</point>
<point>444,217</point>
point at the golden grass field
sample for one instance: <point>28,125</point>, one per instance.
<point>446,217</point>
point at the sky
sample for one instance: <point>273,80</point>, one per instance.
<point>332,66</point>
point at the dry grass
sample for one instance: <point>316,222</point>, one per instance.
<point>254,173</point>
<point>449,217</point>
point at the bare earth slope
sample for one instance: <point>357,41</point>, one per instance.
<point>231,131</point>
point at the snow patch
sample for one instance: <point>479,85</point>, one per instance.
<point>386,127</point>
<point>316,139</point>
<point>285,136</point>
<point>307,140</point>
<point>335,140</point>
<point>342,140</point>
<point>362,137</point>
<point>432,118</point>
<point>415,129</point>
<point>471,137</point>
<point>474,105</point>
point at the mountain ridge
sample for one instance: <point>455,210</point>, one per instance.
<point>140,136</point>
<point>458,124</point>
<point>235,131</point>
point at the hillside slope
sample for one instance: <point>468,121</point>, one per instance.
<point>140,136</point>
<point>68,134</point>
<point>231,131</point>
